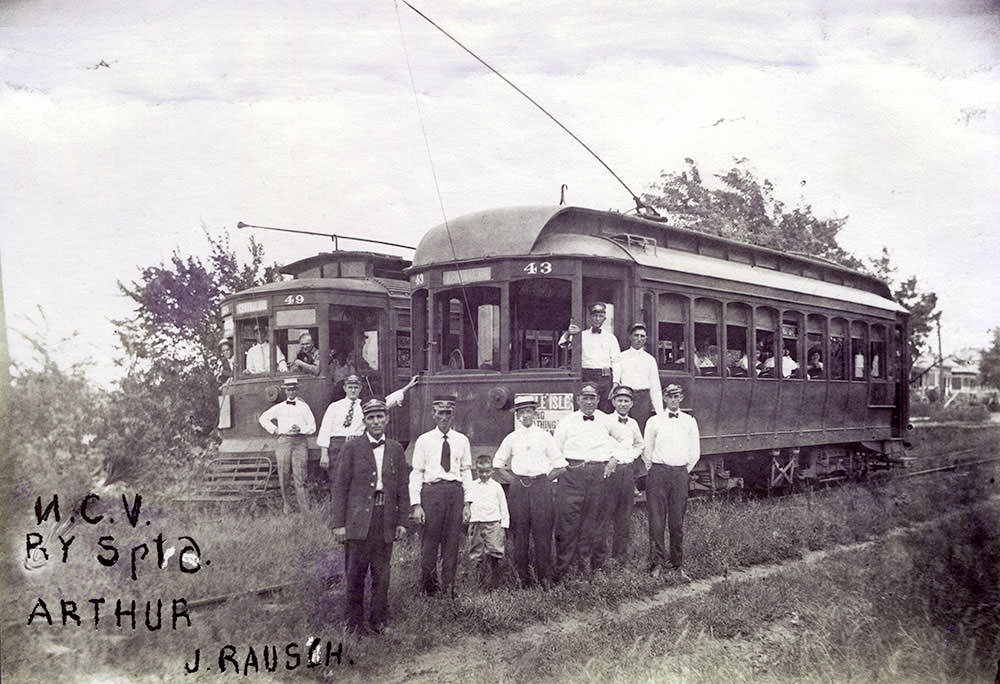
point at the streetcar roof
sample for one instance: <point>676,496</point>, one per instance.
<point>348,284</point>
<point>576,231</point>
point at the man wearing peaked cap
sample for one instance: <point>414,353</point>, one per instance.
<point>292,421</point>
<point>617,513</point>
<point>590,442</point>
<point>369,501</point>
<point>671,450</point>
<point>343,419</point>
<point>440,485</point>
<point>529,461</point>
<point>636,368</point>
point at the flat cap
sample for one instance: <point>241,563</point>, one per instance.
<point>588,388</point>
<point>374,405</point>
<point>622,391</point>
<point>673,390</point>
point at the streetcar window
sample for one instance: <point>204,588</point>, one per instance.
<point>858,350</point>
<point>766,327</point>
<point>671,345</point>
<point>737,340</point>
<point>877,352</point>
<point>354,347</point>
<point>815,358</point>
<point>540,311</point>
<point>298,347</point>
<point>706,337</point>
<point>256,354</point>
<point>469,328</point>
<point>838,349</point>
<point>791,359</point>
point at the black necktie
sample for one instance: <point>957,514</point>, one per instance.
<point>672,415</point>
<point>623,420</point>
<point>588,417</point>
<point>596,331</point>
<point>350,414</point>
<point>445,453</point>
<point>290,401</point>
<point>376,445</point>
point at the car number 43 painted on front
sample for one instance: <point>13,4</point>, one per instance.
<point>534,267</point>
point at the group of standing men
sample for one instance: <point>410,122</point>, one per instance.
<point>577,483</point>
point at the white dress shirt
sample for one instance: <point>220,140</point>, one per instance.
<point>632,451</point>
<point>636,368</point>
<point>395,399</point>
<point>672,441</point>
<point>379,452</point>
<point>528,451</point>
<point>332,424</point>
<point>427,462</point>
<point>600,350</point>
<point>591,440</point>
<point>259,359</point>
<point>288,413</point>
<point>489,503</point>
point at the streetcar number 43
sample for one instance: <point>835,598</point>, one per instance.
<point>536,267</point>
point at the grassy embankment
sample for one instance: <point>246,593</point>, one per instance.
<point>770,629</point>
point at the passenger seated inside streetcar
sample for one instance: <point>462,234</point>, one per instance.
<point>736,363</point>
<point>814,368</point>
<point>788,365</point>
<point>258,356</point>
<point>307,358</point>
<point>706,358</point>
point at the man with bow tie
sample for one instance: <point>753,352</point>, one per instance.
<point>440,485</point>
<point>599,354</point>
<point>591,442</point>
<point>369,500</point>
<point>672,448</point>
<point>620,497</point>
<point>292,421</point>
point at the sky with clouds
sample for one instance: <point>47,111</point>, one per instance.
<point>304,115</point>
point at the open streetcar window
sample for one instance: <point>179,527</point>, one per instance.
<point>671,335</point>
<point>354,347</point>
<point>838,349</point>
<point>539,314</point>
<point>737,340</point>
<point>858,350</point>
<point>791,347</point>
<point>256,354</point>
<point>707,315</point>
<point>766,339</point>
<point>877,355</point>
<point>468,331</point>
<point>815,358</point>
<point>297,336</point>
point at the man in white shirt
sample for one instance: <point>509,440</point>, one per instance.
<point>590,441</point>
<point>621,483</point>
<point>529,461</point>
<point>439,495</point>
<point>258,357</point>
<point>342,420</point>
<point>599,352</point>
<point>636,368</point>
<point>292,421</point>
<point>671,450</point>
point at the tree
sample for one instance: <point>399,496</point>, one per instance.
<point>922,306</point>
<point>744,208</point>
<point>989,363</point>
<point>166,404</point>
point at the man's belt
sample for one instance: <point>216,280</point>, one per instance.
<point>580,463</point>
<point>437,483</point>
<point>529,480</point>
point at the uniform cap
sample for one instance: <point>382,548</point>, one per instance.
<point>637,326</point>
<point>445,402</point>
<point>672,390</point>
<point>588,388</point>
<point>352,379</point>
<point>225,340</point>
<point>374,405</point>
<point>622,391</point>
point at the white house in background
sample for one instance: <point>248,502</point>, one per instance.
<point>955,379</point>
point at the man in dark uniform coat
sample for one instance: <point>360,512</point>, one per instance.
<point>369,503</point>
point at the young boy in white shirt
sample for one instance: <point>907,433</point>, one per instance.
<point>488,523</point>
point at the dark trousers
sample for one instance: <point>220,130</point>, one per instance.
<point>603,383</point>
<point>372,553</point>
<point>581,499</point>
<point>642,408</point>
<point>442,503</point>
<point>666,500</point>
<point>532,518</point>
<point>621,499</point>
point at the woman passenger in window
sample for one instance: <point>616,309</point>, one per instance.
<point>814,368</point>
